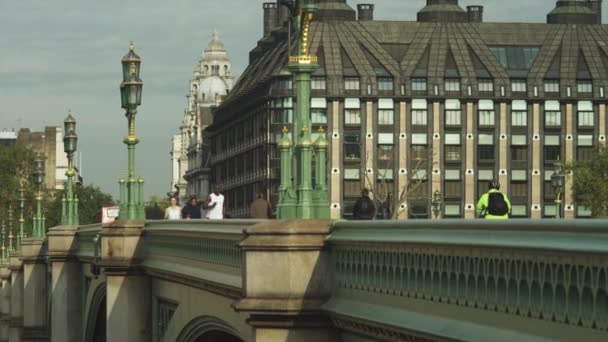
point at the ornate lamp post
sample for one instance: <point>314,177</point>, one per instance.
<point>11,245</point>
<point>557,181</point>
<point>3,257</point>
<point>21,234</point>
<point>297,197</point>
<point>69,208</point>
<point>38,227</point>
<point>436,203</point>
<point>131,190</point>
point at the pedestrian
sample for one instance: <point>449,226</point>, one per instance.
<point>173,211</point>
<point>215,204</point>
<point>260,208</point>
<point>364,208</point>
<point>493,204</point>
<point>192,209</point>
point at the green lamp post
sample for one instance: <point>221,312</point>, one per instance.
<point>310,202</point>
<point>131,190</point>
<point>21,234</point>
<point>39,229</point>
<point>557,181</point>
<point>11,245</point>
<point>69,208</point>
<point>3,257</point>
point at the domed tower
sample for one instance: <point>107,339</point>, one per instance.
<point>212,80</point>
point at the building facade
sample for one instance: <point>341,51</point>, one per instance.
<point>442,105</point>
<point>212,80</point>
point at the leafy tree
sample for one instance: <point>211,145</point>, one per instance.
<point>155,208</point>
<point>590,182</point>
<point>90,201</point>
<point>16,163</point>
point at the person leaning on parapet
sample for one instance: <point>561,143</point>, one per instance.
<point>191,210</point>
<point>215,204</point>
<point>260,208</point>
<point>173,211</point>
<point>364,208</point>
<point>494,204</point>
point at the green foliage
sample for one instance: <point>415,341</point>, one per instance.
<point>155,208</point>
<point>590,182</point>
<point>91,200</point>
<point>16,164</point>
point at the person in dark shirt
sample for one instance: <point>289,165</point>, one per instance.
<point>192,209</point>
<point>364,209</point>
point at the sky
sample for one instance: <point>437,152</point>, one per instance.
<point>65,54</point>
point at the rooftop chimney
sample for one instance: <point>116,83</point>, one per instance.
<point>270,17</point>
<point>573,12</point>
<point>442,11</point>
<point>475,14</point>
<point>365,12</point>
<point>283,14</point>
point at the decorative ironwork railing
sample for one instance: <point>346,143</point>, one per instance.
<point>552,271</point>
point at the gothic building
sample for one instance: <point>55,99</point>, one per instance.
<point>447,101</point>
<point>212,80</point>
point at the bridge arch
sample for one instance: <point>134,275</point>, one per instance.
<point>96,317</point>
<point>208,329</point>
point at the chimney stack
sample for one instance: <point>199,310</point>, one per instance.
<point>596,6</point>
<point>283,14</point>
<point>270,17</point>
<point>475,14</point>
<point>365,12</point>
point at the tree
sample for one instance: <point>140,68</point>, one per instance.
<point>16,162</point>
<point>590,182</point>
<point>90,201</point>
<point>155,208</point>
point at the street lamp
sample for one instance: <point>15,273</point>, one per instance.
<point>38,175</point>
<point>21,234</point>
<point>131,190</point>
<point>436,203</point>
<point>557,181</point>
<point>69,208</point>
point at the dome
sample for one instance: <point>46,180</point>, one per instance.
<point>215,50</point>
<point>210,87</point>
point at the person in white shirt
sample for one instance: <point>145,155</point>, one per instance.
<point>214,206</point>
<point>173,211</point>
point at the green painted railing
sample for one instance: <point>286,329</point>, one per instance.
<point>199,250</point>
<point>470,280</point>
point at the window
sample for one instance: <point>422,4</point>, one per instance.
<point>551,86</point>
<point>552,114</point>
<point>352,182</point>
<point>419,152</point>
<point>453,189</point>
<point>318,110</point>
<point>385,146</point>
<point>485,85</point>
<point>419,112</point>
<point>215,69</point>
<point>515,57</point>
<point>585,114</point>
<point>486,113</point>
<point>386,113</point>
<point>453,113</point>
<point>452,84</point>
<point>584,86</point>
<point>352,147</point>
<point>318,83</point>
<point>584,147</point>
<point>418,84</point>
<point>518,86</point>
<point>352,111</point>
<point>519,114</point>
<point>519,191</point>
<point>486,148</point>
<point>284,83</point>
<point>351,83</point>
<point>519,153</point>
<point>552,153</point>
<point>453,153</point>
<point>282,110</point>
<point>385,83</point>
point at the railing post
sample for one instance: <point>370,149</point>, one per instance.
<point>129,302</point>
<point>66,285</point>
<point>16,323</point>
<point>286,279</point>
<point>35,293</point>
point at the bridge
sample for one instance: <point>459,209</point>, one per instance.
<point>309,280</point>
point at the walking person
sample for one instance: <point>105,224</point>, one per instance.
<point>364,208</point>
<point>192,209</point>
<point>215,204</point>
<point>173,211</point>
<point>493,204</point>
<point>260,208</point>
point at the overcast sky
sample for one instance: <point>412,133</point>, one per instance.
<point>65,54</point>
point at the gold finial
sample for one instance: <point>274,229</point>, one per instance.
<point>321,130</point>
<point>131,46</point>
<point>285,130</point>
